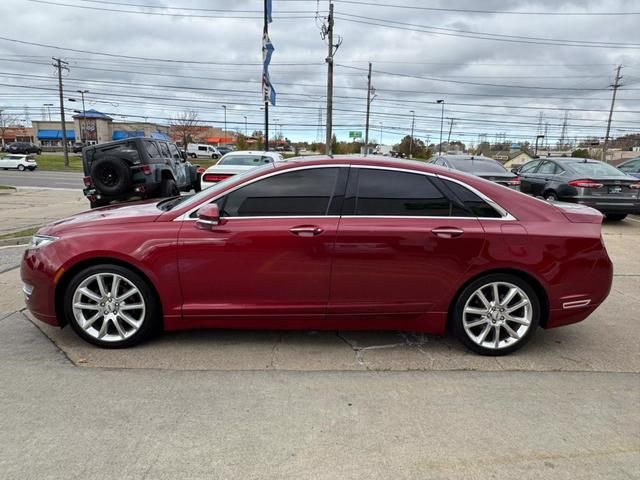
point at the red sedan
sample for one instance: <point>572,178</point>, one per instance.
<point>338,243</point>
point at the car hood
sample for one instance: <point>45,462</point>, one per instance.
<point>137,212</point>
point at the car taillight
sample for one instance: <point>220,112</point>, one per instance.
<point>146,169</point>
<point>635,186</point>
<point>514,182</point>
<point>585,184</point>
<point>213,177</point>
<point>87,181</point>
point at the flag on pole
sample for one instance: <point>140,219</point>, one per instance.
<point>269,93</point>
<point>268,7</point>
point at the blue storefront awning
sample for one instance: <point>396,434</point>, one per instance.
<point>122,134</point>
<point>159,136</point>
<point>55,135</point>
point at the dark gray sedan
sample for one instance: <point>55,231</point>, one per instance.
<point>480,166</point>
<point>631,167</point>
<point>584,181</point>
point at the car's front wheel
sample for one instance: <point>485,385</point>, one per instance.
<point>496,314</point>
<point>111,306</point>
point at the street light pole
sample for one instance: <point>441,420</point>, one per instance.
<point>48,105</point>
<point>224,133</point>
<point>245,125</point>
<point>441,124</point>
<point>83,124</point>
<point>413,121</point>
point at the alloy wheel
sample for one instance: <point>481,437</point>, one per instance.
<point>108,307</point>
<point>497,315</point>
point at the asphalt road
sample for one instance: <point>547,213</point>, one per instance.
<point>41,178</point>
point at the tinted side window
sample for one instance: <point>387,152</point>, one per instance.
<point>384,192</point>
<point>174,151</point>
<point>471,201</point>
<point>303,193</point>
<point>164,149</point>
<point>547,168</point>
<point>152,150</point>
<point>529,167</point>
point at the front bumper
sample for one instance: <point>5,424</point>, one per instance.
<point>38,279</point>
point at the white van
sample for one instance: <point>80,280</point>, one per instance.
<point>195,150</point>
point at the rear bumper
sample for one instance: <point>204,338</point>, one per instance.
<point>605,205</point>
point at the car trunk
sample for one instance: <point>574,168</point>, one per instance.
<point>508,179</point>
<point>577,213</point>
<point>611,188</point>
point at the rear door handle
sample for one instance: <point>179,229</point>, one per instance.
<point>447,232</point>
<point>306,230</point>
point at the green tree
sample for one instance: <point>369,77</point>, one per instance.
<point>416,146</point>
<point>241,142</point>
<point>580,153</point>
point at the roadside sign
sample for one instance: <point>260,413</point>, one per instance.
<point>355,134</point>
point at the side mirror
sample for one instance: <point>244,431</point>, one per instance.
<point>208,217</point>
<point>514,170</point>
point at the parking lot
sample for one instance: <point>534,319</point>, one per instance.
<point>565,406</point>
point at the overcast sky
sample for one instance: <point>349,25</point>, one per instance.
<point>569,69</point>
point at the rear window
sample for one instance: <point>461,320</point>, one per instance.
<point>468,165</point>
<point>471,201</point>
<point>596,169</point>
<point>246,160</point>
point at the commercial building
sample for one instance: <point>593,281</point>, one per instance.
<point>93,127</point>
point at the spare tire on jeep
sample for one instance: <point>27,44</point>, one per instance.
<point>111,175</point>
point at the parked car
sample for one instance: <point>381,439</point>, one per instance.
<point>224,150</point>
<point>77,147</point>
<point>195,150</point>
<point>631,167</point>
<point>584,181</point>
<point>333,243</point>
<point>236,162</point>
<point>22,147</point>
<point>480,166</point>
<point>19,162</point>
<point>135,167</point>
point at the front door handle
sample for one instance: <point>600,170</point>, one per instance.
<point>447,232</point>
<point>306,230</point>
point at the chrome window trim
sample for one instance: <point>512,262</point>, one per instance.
<point>187,215</point>
<point>505,215</point>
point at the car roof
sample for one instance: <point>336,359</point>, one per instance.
<point>253,152</point>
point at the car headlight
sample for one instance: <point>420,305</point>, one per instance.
<point>38,241</point>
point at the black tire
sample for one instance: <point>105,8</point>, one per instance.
<point>152,319</point>
<point>168,188</point>
<point>616,217</point>
<point>193,155</point>
<point>21,168</point>
<point>466,294</point>
<point>550,196</point>
<point>111,175</point>
<point>215,156</point>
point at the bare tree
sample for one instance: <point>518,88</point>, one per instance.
<point>183,126</point>
<point>7,121</point>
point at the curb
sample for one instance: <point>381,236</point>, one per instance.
<point>8,191</point>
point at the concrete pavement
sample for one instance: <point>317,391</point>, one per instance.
<point>42,178</point>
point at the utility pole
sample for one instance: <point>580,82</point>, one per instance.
<point>366,128</point>
<point>245,125</point>
<point>413,122</point>
<point>60,65</point>
<point>83,124</point>
<point>615,86</point>
<point>441,101</point>
<point>450,128</point>
<point>329,60</point>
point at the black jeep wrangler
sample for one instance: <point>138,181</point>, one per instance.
<point>136,167</point>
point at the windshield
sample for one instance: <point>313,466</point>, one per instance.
<point>246,160</point>
<point>596,169</point>
<point>468,165</point>
<point>198,197</point>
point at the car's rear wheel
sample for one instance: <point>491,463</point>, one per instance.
<point>496,314</point>
<point>616,216</point>
<point>169,188</point>
<point>550,196</point>
<point>21,168</point>
<point>111,306</point>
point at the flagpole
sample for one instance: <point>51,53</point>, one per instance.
<point>265,33</point>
